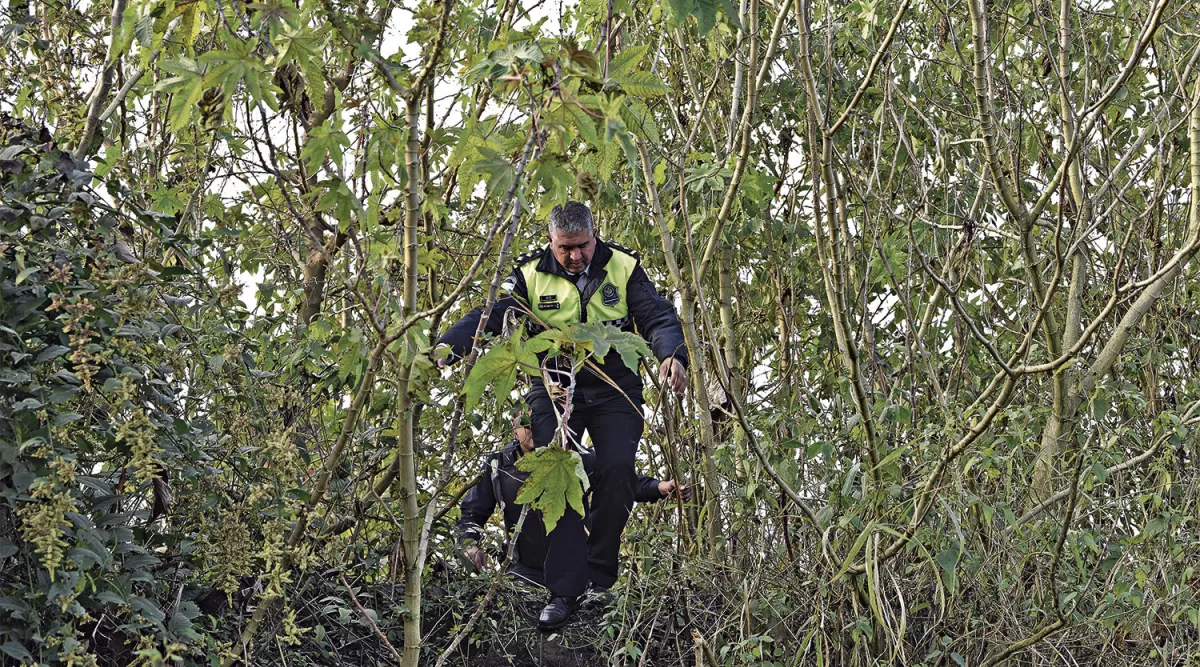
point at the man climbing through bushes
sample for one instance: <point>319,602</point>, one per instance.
<point>578,278</point>
<point>499,483</point>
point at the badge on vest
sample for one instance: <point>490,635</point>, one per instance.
<point>609,295</point>
<point>548,302</point>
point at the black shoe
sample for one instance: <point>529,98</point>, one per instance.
<point>598,596</point>
<point>557,613</point>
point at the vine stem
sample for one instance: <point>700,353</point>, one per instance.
<point>374,626</point>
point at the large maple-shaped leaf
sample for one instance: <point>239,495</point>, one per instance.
<point>603,338</point>
<point>325,140</point>
<point>186,88</point>
<point>498,170</point>
<point>556,479</point>
<point>238,65</point>
<point>500,365</point>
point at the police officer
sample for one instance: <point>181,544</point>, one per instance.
<point>579,278</point>
<point>498,484</point>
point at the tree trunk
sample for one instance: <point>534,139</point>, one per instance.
<point>414,556</point>
<point>708,440</point>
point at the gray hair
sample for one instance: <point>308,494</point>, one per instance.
<point>571,218</point>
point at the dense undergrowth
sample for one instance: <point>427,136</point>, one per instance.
<point>946,353</point>
<point>149,468</point>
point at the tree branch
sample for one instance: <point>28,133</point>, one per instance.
<point>100,90</point>
<point>875,60</point>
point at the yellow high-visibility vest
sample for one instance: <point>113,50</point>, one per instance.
<point>557,301</point>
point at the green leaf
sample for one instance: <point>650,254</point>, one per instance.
<point>680,10</point>
<point>186,88</point>
<point>237,65</point>
<point>706,15</point>
<point>900,414</point>
<point>324,141</point>
<point>948,559</point>
<point>583,58</point>
<point>660,172</point>
<point>111,597</point>
<point>189,26</point>
<point>29,271</point>
<point>731,13</point>
<point>143,30</point>
<point>554,179</point>
<point>603,338</point>
<point>464,139</point>
<point>627,60</point>
<point>642,84</point>
<point>66,418</point>
<point>556,479</point>
<point>338,198</point>
<point>123,36</point>
<point>499,365</point>
<point>892,456</point>
<point>584,123</point>
<point>616,134</point>
<point>496,168</point>
<point>16,650</point>
<point>85,558</point>
<point>147,608</point>
<point>638,116</point>
<point>859,542</point>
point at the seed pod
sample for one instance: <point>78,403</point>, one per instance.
<point>294,92</point>
<point>212,107</point>
<point>587,184</point>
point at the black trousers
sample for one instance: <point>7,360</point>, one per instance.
<point>575,555</point>
<point>531,575</point>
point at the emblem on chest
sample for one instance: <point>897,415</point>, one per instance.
<point>609,295</point>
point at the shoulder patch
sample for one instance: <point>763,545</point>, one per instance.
<point>530,256</point>
<point>623,249</point>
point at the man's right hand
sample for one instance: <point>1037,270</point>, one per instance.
<point>477,556</point>
<point>443,361</point>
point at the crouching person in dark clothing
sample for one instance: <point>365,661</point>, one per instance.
<point>499,483</point>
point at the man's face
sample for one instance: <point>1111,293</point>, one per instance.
<point>573,251</point>
<point>524,437</point>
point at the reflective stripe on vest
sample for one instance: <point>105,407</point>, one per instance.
<point>556,300</point>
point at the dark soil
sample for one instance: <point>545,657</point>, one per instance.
<point>508,636</point>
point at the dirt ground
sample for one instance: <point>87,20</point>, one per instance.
<point>508,637</point>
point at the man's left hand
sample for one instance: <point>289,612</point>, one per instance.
<point>672,373</point>
<point>477,556</point>
<point>667,488</point>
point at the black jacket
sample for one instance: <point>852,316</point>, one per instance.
<point>651,316</point>
<point>498,485</point>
